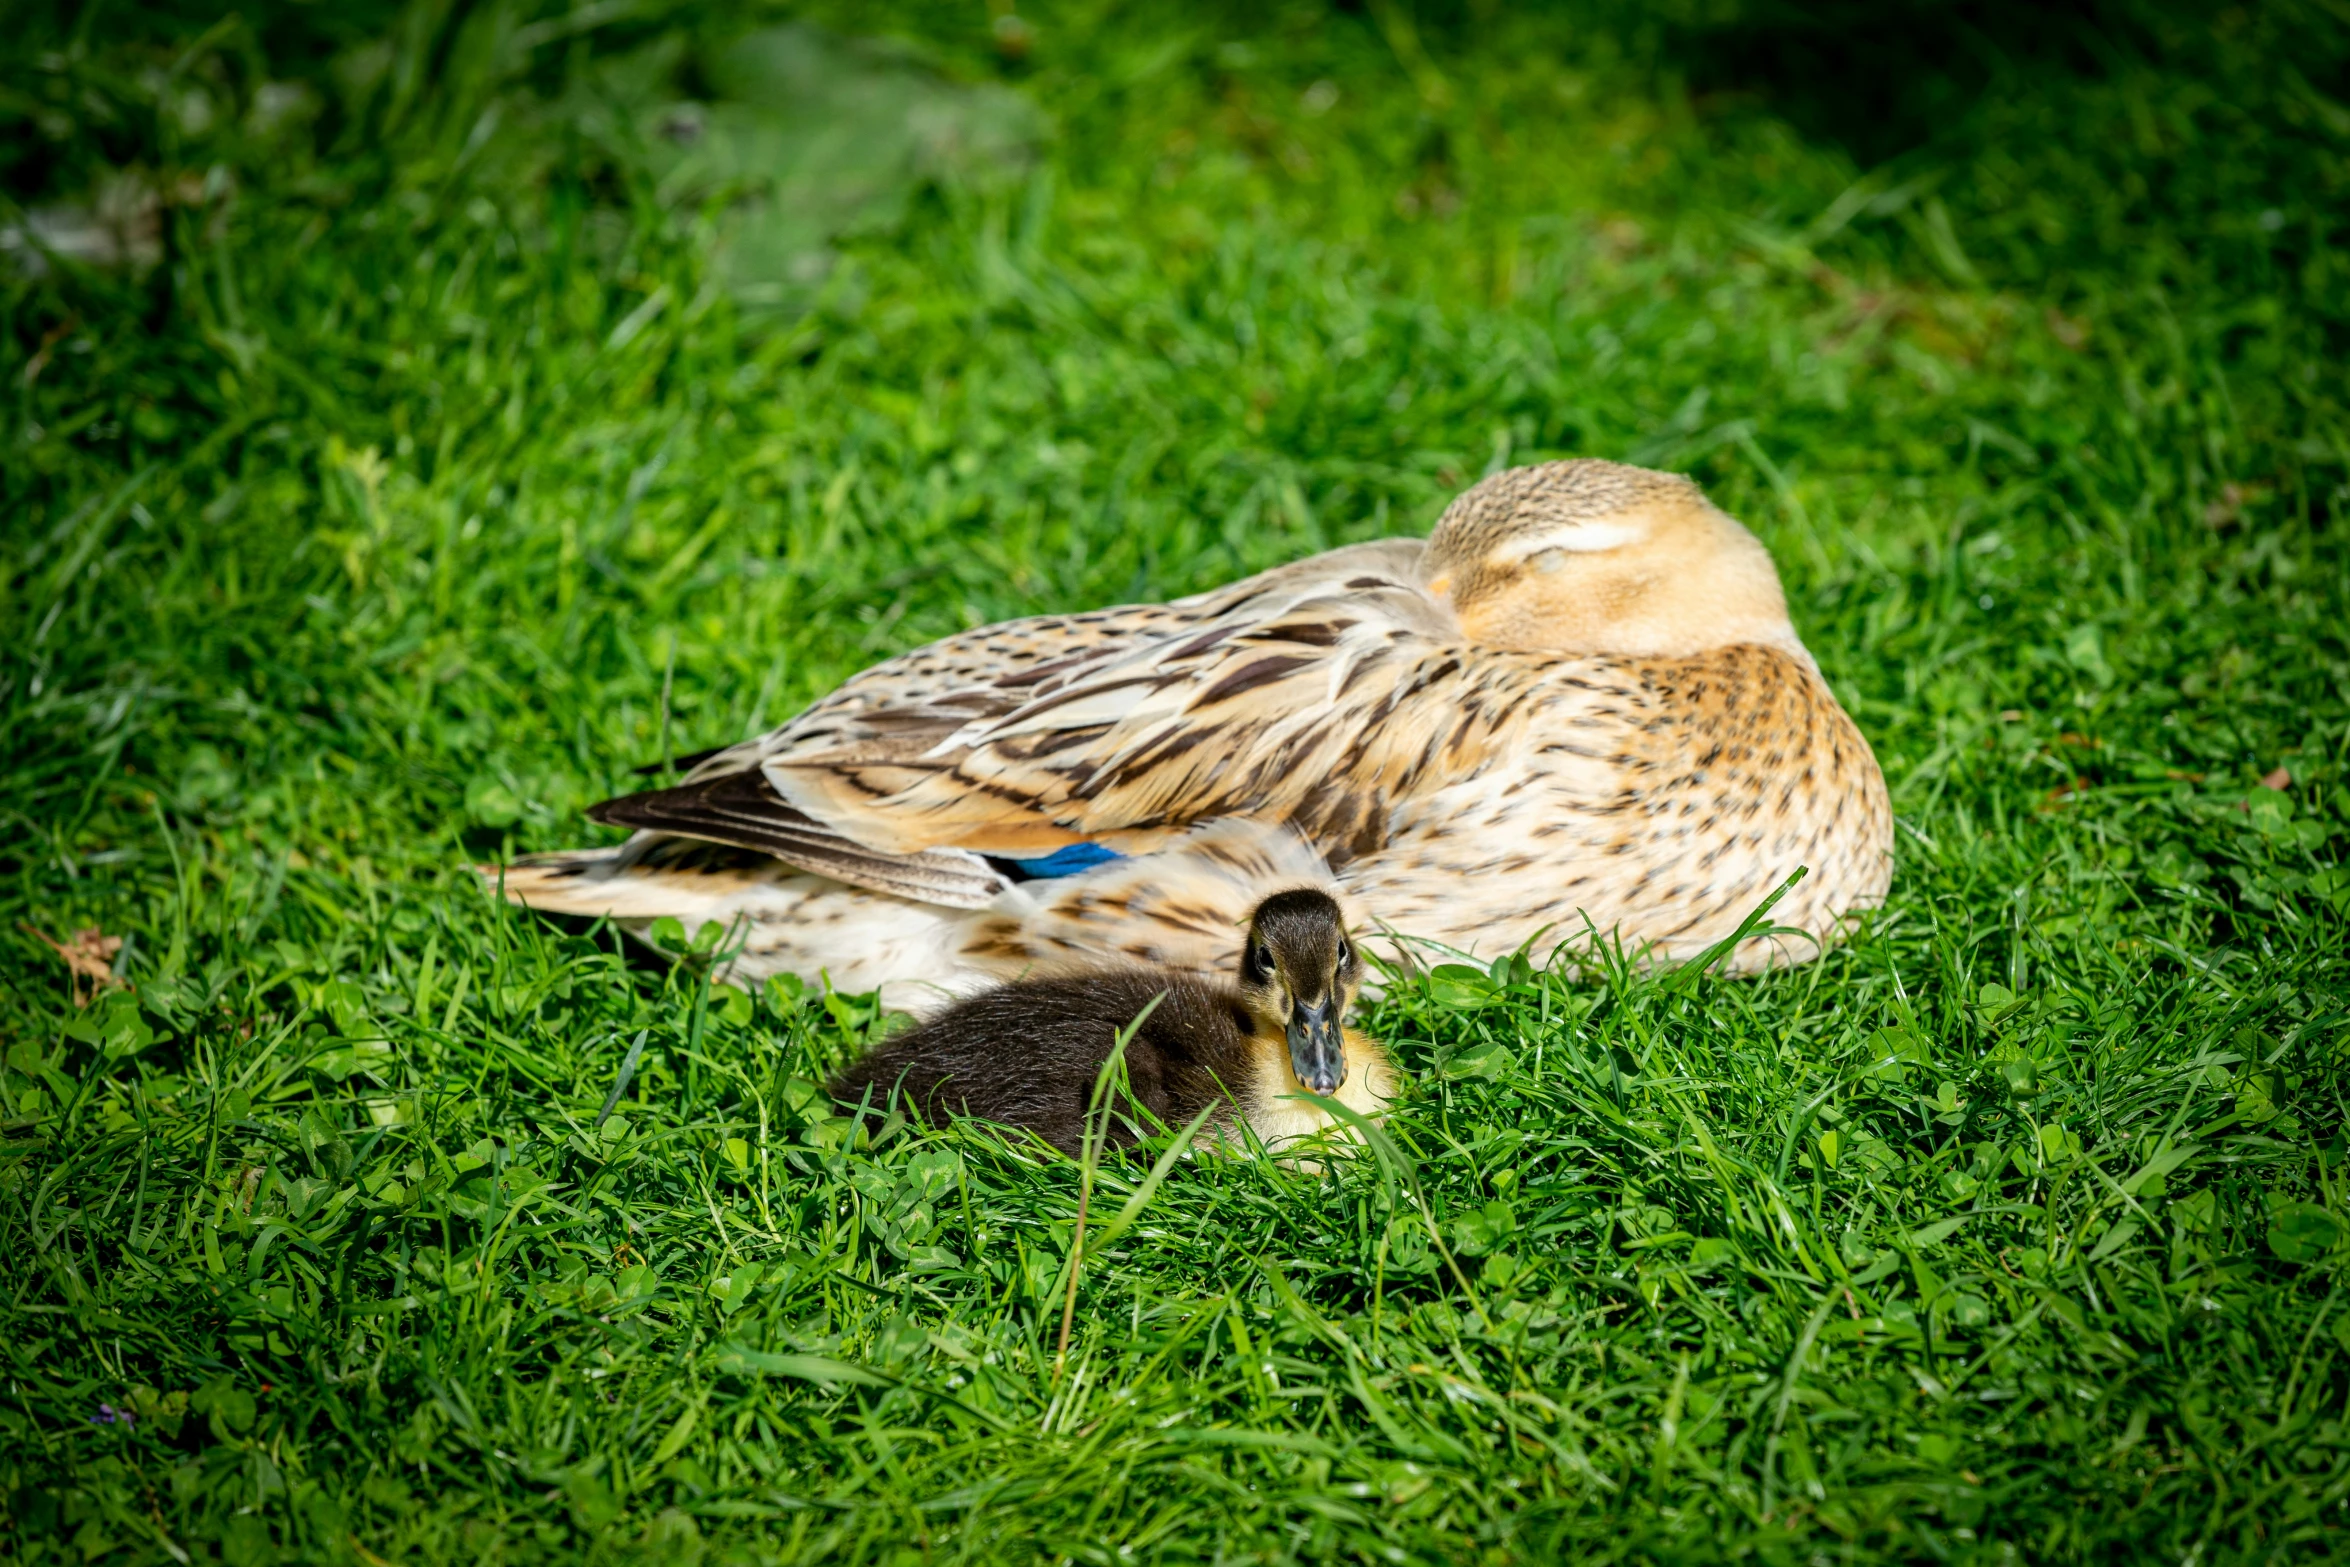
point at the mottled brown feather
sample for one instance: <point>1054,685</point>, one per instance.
<point>1461,729</point>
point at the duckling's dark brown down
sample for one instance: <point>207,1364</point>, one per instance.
<point>1027,1055</point>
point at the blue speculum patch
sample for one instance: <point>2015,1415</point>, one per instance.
<point>1068,860</point>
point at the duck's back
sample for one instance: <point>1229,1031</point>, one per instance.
<point>1027,1054</point>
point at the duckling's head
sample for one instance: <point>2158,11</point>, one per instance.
<point>1297,973</point>
<point>1599,557</point>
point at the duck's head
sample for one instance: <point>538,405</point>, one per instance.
<point>1599,557</point>
<point>1297,974</point>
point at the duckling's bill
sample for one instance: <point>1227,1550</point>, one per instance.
<point>1317,1046</point>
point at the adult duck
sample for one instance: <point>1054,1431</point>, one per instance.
<point>1579,707</point>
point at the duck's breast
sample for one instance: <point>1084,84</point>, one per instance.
<point>1660,800</point>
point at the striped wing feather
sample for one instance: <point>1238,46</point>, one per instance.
<point>854,785</point>
<point>741,809</point>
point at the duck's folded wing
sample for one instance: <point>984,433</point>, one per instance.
<point>1321,713</point>
<point>907,712</point>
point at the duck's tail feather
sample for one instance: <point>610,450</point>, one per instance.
<point>644,879</point>
<point>786,920</point>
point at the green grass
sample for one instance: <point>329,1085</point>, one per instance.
<point>362,534</point>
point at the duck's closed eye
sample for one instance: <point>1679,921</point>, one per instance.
<point>1581,538</point>
<point>1548,562</point>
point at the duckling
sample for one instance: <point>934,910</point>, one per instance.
<point>1028,1053</point>
<point>1578,706</point>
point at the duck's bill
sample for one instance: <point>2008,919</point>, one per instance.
<point>1317,1047</point>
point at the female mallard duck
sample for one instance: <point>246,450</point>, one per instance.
<point>1578,707</point>
<point>1027,1054</point>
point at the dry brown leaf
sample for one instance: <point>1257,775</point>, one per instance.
<point>89,954</point>
<point>2280,779</point>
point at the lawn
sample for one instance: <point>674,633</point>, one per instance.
<point>423,417</point>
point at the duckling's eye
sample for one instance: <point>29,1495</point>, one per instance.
<point>1264,957</point>
<point>1344,957</point>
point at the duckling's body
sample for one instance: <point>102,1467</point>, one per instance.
<point>1027,1054</point>
<point>1246,1048</point>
